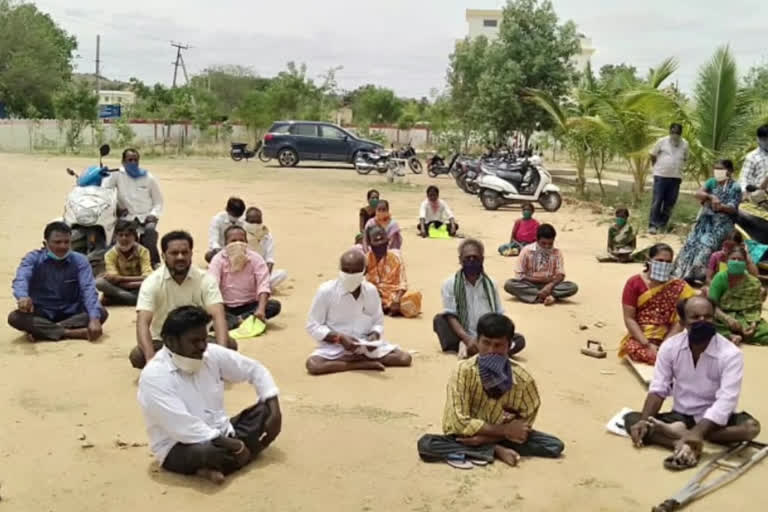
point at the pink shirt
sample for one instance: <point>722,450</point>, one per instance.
<point>243,287</point>
<point>709,390</point>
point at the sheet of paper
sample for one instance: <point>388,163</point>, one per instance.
<point>616,424</point>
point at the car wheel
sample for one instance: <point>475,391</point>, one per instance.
<point>287,158</point>
<point>550,201</point>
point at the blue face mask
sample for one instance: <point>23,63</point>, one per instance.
<point>53,256</point>
<point>133,170</point>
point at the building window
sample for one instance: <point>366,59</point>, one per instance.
<point>490,23</point>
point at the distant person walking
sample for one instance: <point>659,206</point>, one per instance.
<point>668,156</point>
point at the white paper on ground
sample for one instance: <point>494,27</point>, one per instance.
<point>616,424</point>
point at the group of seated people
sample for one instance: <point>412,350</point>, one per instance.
<point>492,401</point>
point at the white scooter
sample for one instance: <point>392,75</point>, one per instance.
<point>498,187</point>
<point>91,212</point>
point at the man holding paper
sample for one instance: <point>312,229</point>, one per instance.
<point>346,321</point>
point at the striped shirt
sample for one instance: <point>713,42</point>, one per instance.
<point>468,408</point>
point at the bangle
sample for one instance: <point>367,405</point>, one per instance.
<point>242,448</point>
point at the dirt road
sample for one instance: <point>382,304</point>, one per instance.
<point>349,440</point>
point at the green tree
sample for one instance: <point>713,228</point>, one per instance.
<point>76,108</point>
<point>35,59</point>
<point>228,86</point>
<point>372,104</point>
<point>468,63</point>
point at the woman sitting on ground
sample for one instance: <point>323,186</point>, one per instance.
<point>523,232</point>
<point>383,219</point>
<point>720,198</point>
<point>718,262</point>
<point>649,302</point>
<point>368,211</point>
<point>739,297</point>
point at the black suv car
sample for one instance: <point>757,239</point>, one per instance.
<point>293,141</point>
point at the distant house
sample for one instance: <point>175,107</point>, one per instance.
<point>487,22</point>
<point>116,98</point>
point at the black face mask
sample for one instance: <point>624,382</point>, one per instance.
<point>379,250</point>
<point>701,332</point>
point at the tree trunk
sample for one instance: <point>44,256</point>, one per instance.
<point>581,179</point>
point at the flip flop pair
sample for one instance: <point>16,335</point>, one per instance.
<point>462,462</point>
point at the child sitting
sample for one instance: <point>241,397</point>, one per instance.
<point>622,240</point>
<point>523,232</point>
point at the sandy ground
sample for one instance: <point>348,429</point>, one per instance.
<point>349,440</point>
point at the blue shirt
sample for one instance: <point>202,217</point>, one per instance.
<point>58,289</point>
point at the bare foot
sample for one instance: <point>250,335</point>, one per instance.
<point>549,300</point>
<point>31,338</point>
<point>506,455</point>
<point>371,365</point>
<point>214,476</point>
<point>674,430</point>
<point>76,334</point>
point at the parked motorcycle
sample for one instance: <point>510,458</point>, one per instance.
<point>91,211</point>
<point>408,154</point>
<point>436,165</point>
<point>517,184</point>
<point>381,161</point>
<point>239,150</point>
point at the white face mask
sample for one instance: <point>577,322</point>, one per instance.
<point>720,174</point>
<point>351,282</point>
<point>186,364</point>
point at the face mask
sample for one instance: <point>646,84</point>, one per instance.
<point>186,364</point>
<point>237,252</point>
<point>373,202</point>
<point>736,267</point>
<point>720,174</point>
<point>763,143</point>
<point>383,217</point>
<point>701,332</point>
<point>53,256</point>
<point>472,268</point>
<point>620,221</point>
<point>527,214</point>
<point>379,250</point>
<point>495,374</point>
<point>351,282</point>
<point>660,270</point>
<point>132,169</point>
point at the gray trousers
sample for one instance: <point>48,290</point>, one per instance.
<point>116,294</point>
<point>528,292</point>
<point>43,329</point>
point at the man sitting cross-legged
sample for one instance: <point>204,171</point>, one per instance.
<point>127,265</point>
<point>540,271</point>
<point>177,283</point>
<point>181,393</point>
<point>468,295</point>
<point>386,271</point>
<point>243,279</point>
<point>55,292</point>
<point>346,321</point>
<point>491,405</point>
<point>702,371</point>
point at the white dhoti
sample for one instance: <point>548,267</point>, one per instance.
<point>277,277</point>
<point>369,349</point>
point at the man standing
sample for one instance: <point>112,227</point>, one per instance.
<point>232,216</point>
<point>541,271</point>
<point>175,284</point>
<point>668,157</point>
<point>702,371</point>
<point>346,321</point>
<point>127,265</point>
<point>491,405</point>
<point>435,212</point>
<point>55,292</point>
<point>138,200</point>
<point>386,271</point>
<point>243,279</point>
<point>181,393</point>
<point>468,295</point>
<point>754,174</point>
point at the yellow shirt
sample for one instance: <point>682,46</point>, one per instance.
<point>135,264</point>
<point>468,408</point>
<point>160,294</point>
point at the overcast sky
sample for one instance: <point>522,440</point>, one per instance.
<point>402,44</point>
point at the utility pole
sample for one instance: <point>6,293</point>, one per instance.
<point>98,63</point>
<point>179,62</point>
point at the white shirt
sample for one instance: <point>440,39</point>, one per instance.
<point>266,248</point>
<point>336,310</point>
<point>755,169</point>
<point>670,159</point>
<point>477,302</point>
<point>219,224</point>
<point>443,214</point>
<point>189,408</point>
<point>141,197</point>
